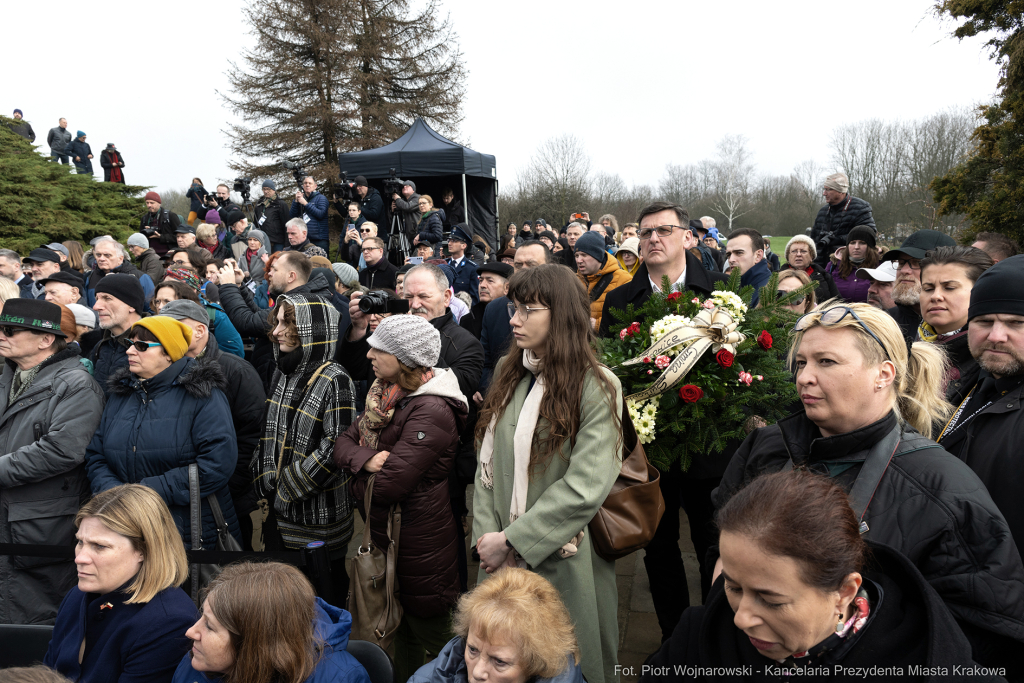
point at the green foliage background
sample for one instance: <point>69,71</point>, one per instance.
<point>42,202</point>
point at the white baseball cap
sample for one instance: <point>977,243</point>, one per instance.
<point>885,272</point>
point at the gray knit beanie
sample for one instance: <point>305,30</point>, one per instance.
<point>347,275</point>
<point>410,339</point>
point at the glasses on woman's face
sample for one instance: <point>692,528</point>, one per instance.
<point>364,230</point>
<point>834,316</point>
<point>523,311</point>
<point>795,302</point>
<point>143,346</point>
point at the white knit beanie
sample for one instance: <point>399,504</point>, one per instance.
<point>804,239</point>
<point>409,338</point>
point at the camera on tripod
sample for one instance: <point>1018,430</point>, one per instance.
<point>298,172</point>
<point>242,186</point>
<point>393,185</point>
<point>379,303</point>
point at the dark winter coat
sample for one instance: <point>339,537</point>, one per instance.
<point>473,321</point>
<point>908,626</point>
<point>152,430</point>
<point>160,229</point>
<point>835,223</point>
<point>151,265</point>
<point>409,212</point>
<point>140,642</point>
<point>422,438</point>
<point>495,337</point>
<point>350,251</point>
<point>962,373</point>
<point>381,275</point>
<point>757,277</point>
<point>454,213</point>
<point>24,129</point>
<point>316,210</point>
<point>58,139</point>
<point>927,505</point>
<point>197,199</point>
<point>429,228</point>
<point>126,267</point>
<point>42,481</point>
<point>826,285</point>
<point>908,318</point>
<point>372,207</point>
<point>25,285</point>
<point>108,356</point>
<point>82,150</point>
<point>107,160</point>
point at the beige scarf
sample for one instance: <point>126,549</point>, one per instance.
<point>522,444</point>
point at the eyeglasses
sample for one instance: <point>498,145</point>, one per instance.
<point>663,231</point>
<point>912,262</point>
<point>143,346</point>
<point>523,311</point>
<point>834,316</point>
<point>795,302</point>
<point>801,252</point>
<point>369,249</point>
<point>364,230</point>
<point>11,331</point>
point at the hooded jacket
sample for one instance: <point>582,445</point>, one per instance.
<point>619,277</point>
<point>928,505</point>
<point>908,626</point>
<point>622,264</point>
<point>450,667</point>
<point>311,403</point>
<point>152,430</point>
<point>423,438</point>
<point>43,436</point>
<point>332,626</point>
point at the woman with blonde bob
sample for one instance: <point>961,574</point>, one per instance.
<point>126,619</point>
<point>790,280</point>
<point>511,628</point>
<point>868,410</point>
<point>262,623</point>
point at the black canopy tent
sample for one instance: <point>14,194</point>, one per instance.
<point>434,162</point>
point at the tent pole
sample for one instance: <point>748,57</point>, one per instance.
<point>465,202</point>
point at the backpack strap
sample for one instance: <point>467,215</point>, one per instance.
<point>601,285</point>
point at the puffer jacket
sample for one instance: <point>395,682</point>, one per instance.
<point>928,505</point>
<point>152,430</point>
<point>836,222</point>
<point>429,229</point>
<point>315,210</point>
<point>450,667</point>
<point>619,277</point>
<point>42,481</point>
<point>422,438</point>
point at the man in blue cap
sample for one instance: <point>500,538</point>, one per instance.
<point>466,277</point>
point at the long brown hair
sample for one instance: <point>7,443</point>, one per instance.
<point>570,353</point>
<point>76,255</point>
<point>847,267</point>
<point>268,608</point>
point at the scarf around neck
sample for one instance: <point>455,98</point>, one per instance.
<point>522,446</point>
<point>381,401</point>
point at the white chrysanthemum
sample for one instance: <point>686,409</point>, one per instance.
<point>660,328</point>
<point>731,302</point>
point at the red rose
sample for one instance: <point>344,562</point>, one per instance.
<point>634,328</point>
<point>690,393</point>
<point>764,340</point>
<point>724,358</point>
<point>673,296</point>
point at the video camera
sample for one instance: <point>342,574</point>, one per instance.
<point>298,172</point>
<point>379,303</point>
<point>393,185</point>
<point>344,191</point>
<point>242,186</point>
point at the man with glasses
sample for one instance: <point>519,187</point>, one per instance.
<point>119,302</point>
<point>379,272</point>
<point>271,213</point>
<point>51,409</point>
<point>842,212</point>
<point>665,243</point>
<point>110,259</point>
<point>906,292</point>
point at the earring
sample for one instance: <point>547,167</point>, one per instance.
<point>839,626</point>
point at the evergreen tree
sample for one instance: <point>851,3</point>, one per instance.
<point>325,77</point>
<point>988,186</point>
<point>41,202</point>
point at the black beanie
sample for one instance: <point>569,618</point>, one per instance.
<point>123,287</point>
<point>863,233</point>
<point>1000,289</point>
<point>592,244</point>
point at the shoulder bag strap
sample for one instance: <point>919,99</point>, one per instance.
<point>871,472</point>
<point>218,515</point>
<point>196,516</point>
<point>601,285</point>
<point>367,499</point>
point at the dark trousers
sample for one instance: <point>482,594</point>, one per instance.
<point>663,559</point>
<point>339,574</point>
<point>59,158</point>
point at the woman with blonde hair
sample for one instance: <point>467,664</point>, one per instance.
<point>206,237</point>
<point>262,623</point>
<point>8,290</point>
<point>76,255</point>
<point>790,280</point>
<point>869,403</point>
<point>513,627</point>
<point>126,619</point>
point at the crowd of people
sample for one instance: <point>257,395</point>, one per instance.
<point>876,526</point>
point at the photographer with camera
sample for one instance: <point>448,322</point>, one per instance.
<point>407,204</point>
<point>271,213</point>
<point>379,273</point>
<point>371,204</point>
<point>312,206</point>
<point>158,225</point>
<point>842,212</point>
<point>224,205</point>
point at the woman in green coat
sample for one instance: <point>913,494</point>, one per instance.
<point>550,450</point>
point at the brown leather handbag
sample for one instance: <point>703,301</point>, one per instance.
<point>373,600</point>
<point>630,514</point>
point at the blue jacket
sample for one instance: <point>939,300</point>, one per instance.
<point>227,336</point>
<point>466,278</point>
<point>333,626</point>
<point>82,150</point>
<point>495,337</point>
<point>430,228</point>
<point>108,356</point>
<point>137,643</point>
<point>151,430</point>
<point>757,276</point>
<point>450,667</point>
<point>316,210</point>
<point>197,194</point>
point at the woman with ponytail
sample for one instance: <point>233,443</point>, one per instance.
<point>869,405</point>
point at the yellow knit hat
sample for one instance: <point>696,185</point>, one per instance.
<point>173,335</point>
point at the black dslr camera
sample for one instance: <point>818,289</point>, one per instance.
<point>393,185</point>
<point>379,303</point>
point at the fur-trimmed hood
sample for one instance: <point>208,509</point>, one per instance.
<point>197,376</point>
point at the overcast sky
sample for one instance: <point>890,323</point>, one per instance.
<point>641,84</point>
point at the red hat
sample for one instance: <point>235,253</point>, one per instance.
<point>154,196</point>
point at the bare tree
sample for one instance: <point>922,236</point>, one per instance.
<point>733,177</point>
<point>557,179</point>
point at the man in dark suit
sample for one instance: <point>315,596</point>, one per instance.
<point>466,277</point>
<point>665,244</point>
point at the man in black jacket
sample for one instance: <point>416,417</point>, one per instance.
<point>159,225</point>
<point>371,204</point>
<point>665,243</point>
<point>23,127</point>
<point>271,213</point>
<point>247,398</point>
<point>907,290</point>
<point>379,273</point>
<point>842,212</point>
<point>58,139</point>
